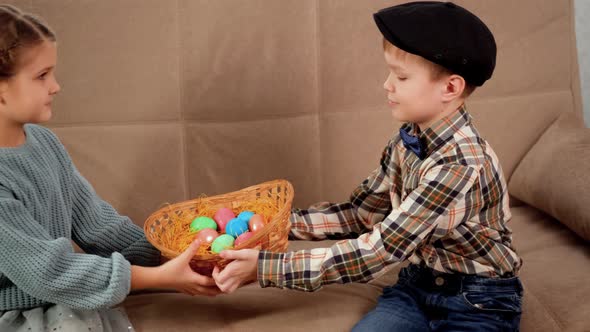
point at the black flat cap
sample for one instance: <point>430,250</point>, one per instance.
<point>444,33</point>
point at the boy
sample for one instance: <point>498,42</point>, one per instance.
<point>438,199</point>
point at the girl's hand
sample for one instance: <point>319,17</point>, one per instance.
<point>178,275</point>
<point>242,270</point>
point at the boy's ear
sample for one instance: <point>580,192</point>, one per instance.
<point>453,88</point>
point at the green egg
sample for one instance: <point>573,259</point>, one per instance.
<point>203,222</point>
<point>221,243</point>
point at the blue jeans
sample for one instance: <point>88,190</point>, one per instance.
<point>425,300</point>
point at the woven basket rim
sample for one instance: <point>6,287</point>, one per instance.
<point>215,257</point>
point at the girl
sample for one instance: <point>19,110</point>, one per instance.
<point>45,203</point>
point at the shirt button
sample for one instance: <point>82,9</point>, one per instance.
<point>479,306</point>
<point>439,281</point>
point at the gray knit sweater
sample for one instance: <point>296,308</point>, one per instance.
<point>45,203</point>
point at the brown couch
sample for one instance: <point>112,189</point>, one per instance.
<point>164,100</point>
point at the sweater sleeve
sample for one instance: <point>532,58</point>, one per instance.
<point>49,269</point>
<point>98,228</point>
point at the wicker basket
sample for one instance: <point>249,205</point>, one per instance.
<point>273,237</point>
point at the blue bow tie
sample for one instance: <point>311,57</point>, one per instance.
<point>412,143</point>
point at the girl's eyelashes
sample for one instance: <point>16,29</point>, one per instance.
<point>43,74</point>
<point>402,78</point>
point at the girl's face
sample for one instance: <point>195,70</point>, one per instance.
<point>26,97</point>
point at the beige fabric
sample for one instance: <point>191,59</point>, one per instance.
<point>334,308</point>
<point>576,79</point>
<point>142,166</point>
<point>514,202</point>
<point>555,292</point>
<point>252,152</point>
<point>231,76</point>
<point>114,64</point>
<point>512,125</point>
<point>164,100</point>
<point>554,273</point>
<point>253,309</point>
<point>553,176</point>
<point>520,95</point>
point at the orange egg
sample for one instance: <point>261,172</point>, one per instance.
<point>256,223</point>
<point>207,235</point>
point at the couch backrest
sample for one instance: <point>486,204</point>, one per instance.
<point>164,100</point>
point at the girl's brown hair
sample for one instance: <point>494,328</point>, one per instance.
<point>19,31</point>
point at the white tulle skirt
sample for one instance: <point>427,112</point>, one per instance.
<point>59,318</point>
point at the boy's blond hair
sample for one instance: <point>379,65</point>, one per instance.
<point>437,71</point>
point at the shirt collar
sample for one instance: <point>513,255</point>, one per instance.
<point>441,130</point>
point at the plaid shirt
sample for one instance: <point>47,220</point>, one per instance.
<point>448,211</point>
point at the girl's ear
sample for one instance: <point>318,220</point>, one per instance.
<point>453,88</point>
<point>3,87</point>
<point>2,93</point>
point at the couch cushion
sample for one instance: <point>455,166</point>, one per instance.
<point>334,308</point>
<point>553,176</point>
<point>555,273</point>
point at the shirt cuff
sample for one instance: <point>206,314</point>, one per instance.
<point>271,269</point>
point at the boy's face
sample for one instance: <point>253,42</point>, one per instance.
<point>412,93</point>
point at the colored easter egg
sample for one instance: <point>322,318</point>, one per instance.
<point>236,227</point>
<point>222,217</point>
<point>243,238</point>
<point>221,243</point>
<point>256,223</point>
<point>245,215</point>
<point>207,235</point>
<point>200,223</point>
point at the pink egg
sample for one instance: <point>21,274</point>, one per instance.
<point>256,223</point>
<point>222,217</point>
<point>243,238</point>
<point>207,235</point>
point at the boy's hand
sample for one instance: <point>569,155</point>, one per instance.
<point>242,270</point>
<point>178,275</point>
